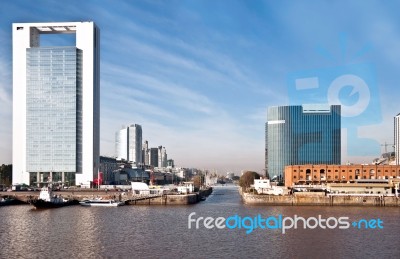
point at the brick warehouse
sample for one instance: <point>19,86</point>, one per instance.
<point>322,174</point>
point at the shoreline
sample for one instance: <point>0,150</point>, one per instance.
<point>315,199</point>
<point>166,199</point>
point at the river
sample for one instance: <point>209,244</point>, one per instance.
<point>162,232</point>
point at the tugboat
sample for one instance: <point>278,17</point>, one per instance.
<point>47,200</point>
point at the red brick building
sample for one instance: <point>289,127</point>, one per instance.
<point>322,174</point>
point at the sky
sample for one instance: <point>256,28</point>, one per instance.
<point>200,75</point>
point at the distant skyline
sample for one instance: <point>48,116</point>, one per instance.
<point>198,76</point>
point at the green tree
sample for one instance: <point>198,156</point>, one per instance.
<point>247,179</point>
<point>6,174</point>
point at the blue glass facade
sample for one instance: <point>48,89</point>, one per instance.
<point>54,110</point>
<point>307,134</point>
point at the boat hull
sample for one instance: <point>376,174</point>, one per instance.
<point>8,202</point>
<point>101,203</point>
<point>41,204</point>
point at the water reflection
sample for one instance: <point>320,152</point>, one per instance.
<point>162,231</point>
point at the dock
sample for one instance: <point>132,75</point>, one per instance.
<point>125,196</point>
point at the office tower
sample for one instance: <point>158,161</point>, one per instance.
<point>56,104</point>
<point>153,159</point>
<point>128,144</point>
<point>397,138</point>
<point>162,156</point>
<point>146,153</point>
<point>307,134</point>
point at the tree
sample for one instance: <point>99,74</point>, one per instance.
<point>247,179</point>
<point>6,174</point>
<point>197,181</point>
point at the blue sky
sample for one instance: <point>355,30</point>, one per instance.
<point>199,75</point>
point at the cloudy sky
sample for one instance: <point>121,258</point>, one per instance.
<point>199,75</point>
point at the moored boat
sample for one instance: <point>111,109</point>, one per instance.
<point>10,201</point>
<point>101,203</point>
<point>48,200</point>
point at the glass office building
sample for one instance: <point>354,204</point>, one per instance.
<point>56,104</point>
<point>296,135</point>
<point>128,144</point>
<point>54,110</point>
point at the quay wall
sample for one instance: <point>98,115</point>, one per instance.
<point>168,199</point>
<point>179,199</point>
<point>320,200</point>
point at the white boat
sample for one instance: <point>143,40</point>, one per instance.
<point>101,203</point>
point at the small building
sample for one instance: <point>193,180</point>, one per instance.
<point>187,187</point>
<point>125,175</point>
<point>263,186</point>
<point>139,188</point>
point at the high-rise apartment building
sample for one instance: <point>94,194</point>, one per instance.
<point>397,138</point>
<point>307,134</point>
<point>56,104</point>
<point>128,144</point>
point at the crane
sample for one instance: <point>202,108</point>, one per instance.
<point>386,145</point>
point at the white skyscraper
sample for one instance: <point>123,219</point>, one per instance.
<point>128,144</point>
<point>162,157</point>
<point>397,138</point>
<point>56,104</point>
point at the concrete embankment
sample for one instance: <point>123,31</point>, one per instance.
<point>314,199</point>
<point>167,199</point>
<point>171,199</point>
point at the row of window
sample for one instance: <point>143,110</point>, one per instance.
<point>343,171</point>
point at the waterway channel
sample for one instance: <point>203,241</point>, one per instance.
<point>162,232</point>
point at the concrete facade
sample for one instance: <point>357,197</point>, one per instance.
<point>38,75</point>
